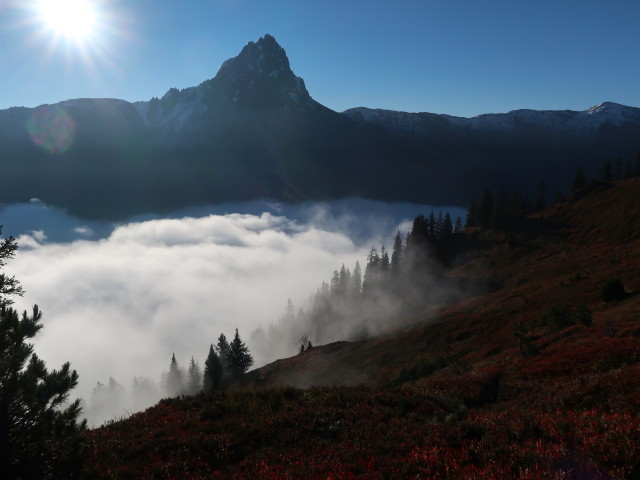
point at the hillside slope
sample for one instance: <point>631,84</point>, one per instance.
<point>518,383</point>
<point>560,257</point>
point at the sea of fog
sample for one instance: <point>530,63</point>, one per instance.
<point>120,299</point>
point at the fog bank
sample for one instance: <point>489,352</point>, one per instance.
<point>120,305</point>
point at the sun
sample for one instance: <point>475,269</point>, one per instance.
<point>74,20</point>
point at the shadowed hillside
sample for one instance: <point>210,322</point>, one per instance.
<point>538,379</point>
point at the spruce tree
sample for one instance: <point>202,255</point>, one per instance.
<point>432,227</point>
<point>288,318</point>
<point>212,378</point>
<point>335,284</point>
<point>194,378</point>
<point>384,261</point>
<point>39,431</point>
<point>421,232</point>
<point>439,227</point>
<point>238,358</point>
<point>344,281</point>
<point>447,227</point>
<point>356,279</point>
<point>223,344</point>
<point>458,225</point>
<point>8,285</point>
<point>371,272</point>
<point>396,255</point>
<point>173,379</point>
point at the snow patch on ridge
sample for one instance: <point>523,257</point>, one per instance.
<point>562,120</point>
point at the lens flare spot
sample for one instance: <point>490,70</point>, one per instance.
<point>52,129</point>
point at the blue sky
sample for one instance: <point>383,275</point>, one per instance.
<point>456,57</point>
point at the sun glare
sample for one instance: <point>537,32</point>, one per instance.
<point>71,19</point>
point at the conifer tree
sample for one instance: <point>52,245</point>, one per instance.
<point>335,284</point>
<point>238,358</point>
<point>212,378</point>
<point>8,285</point>
<point>39,430</point>
<point>356,279</point>
<point>472,215</point>
<point>385,263</point>
<point>371,272</point>
<point>396,255</point>
<point>432,227</point>
<point>174,384</point>
<point>438,229</point>
<point>458,225</point>
<point>344,281</point>
<point>421,231</point>
<point>447,227</point>
<point>223,344</point>
<point>194,378</point>
<point>325,289</point>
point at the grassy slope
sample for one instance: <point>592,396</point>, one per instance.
<point>450,399</point>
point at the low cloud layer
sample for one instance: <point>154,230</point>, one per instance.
<point>120,306</point>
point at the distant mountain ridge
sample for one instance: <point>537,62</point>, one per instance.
<point>253,130</point>
<point>570,120</point>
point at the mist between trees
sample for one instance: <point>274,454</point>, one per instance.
<point>387,289</point>
<point>393,289</point>
<point>225,363</point>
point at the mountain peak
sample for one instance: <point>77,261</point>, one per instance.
<point>606,107</point>
<point>260,76</point>
<point>266,53</point>
<point>614,113</point>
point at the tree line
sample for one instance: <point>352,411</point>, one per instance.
<point>498,210</point>
<point>390,286</point>
<point>225,362</point>
<point>371,297</point>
